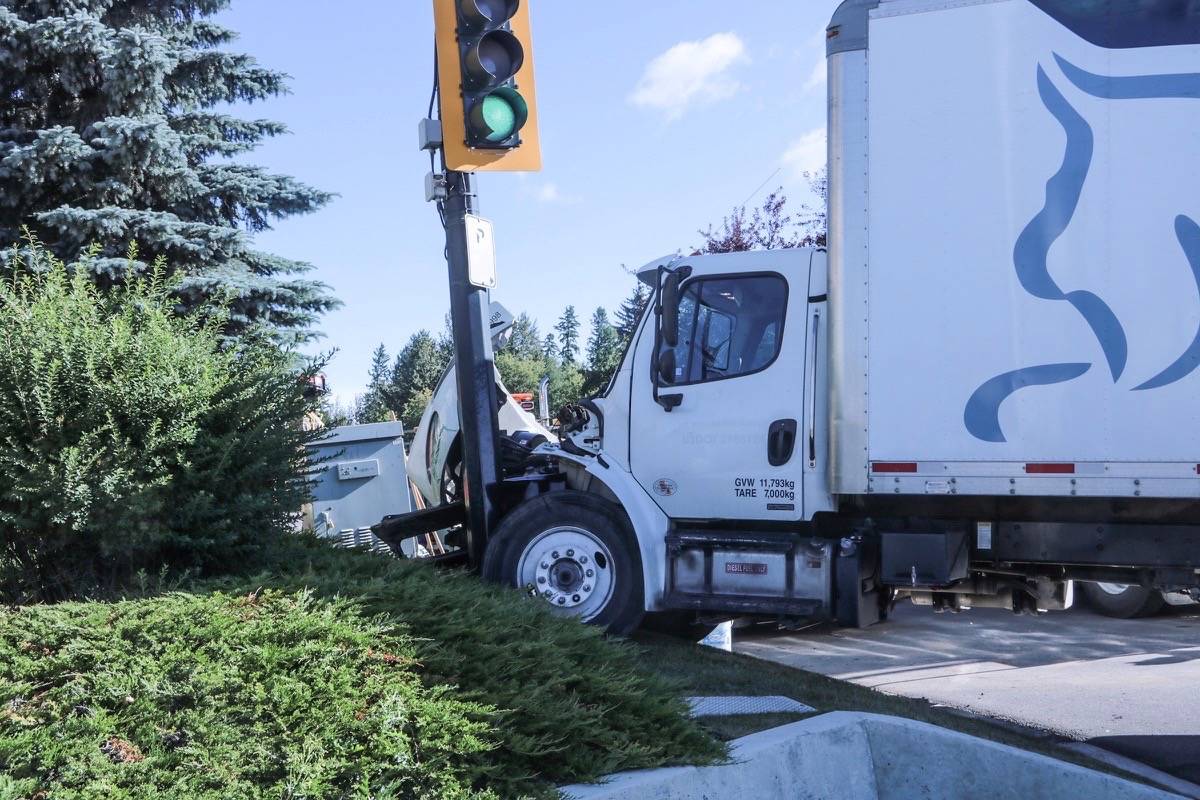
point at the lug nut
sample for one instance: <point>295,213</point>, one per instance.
<point>574,598</point>
<point>554,554</point>
<point>583,559</point>
<point>541,578</point>
<point>570,554</point>
<point>545,565</point>
<point>587,587</point>
<point>562,601</point>
<point>589,573</point>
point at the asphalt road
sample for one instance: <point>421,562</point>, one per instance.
<point>1131,686</point>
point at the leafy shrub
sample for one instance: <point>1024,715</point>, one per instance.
<point>573,705</point>
<point>266,695</point>
<point>132,437</point>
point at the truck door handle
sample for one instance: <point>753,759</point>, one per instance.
<point>781,441</point>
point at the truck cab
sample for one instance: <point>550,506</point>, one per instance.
<point>717,397</point>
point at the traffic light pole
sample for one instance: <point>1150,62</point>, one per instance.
<point>473,366</point>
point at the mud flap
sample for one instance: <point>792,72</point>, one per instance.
<point>859,594</point>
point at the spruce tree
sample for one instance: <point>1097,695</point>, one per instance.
<point>603,353</point>
<point>550,347</point>
<point>373,404</point>
<point>112,133</point>
<point>630,311</point>
<point>567,328</point>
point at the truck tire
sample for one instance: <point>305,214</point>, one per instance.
<point>1123,601</point>
<point>578,552</point>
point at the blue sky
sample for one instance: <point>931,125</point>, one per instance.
<point>656,119</point>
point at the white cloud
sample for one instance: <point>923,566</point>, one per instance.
<point>816,79</point>
<point>806,154</point>
<point>550,193</point>
<point>690,74</point>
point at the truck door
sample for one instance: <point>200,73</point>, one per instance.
<point>731,445</point>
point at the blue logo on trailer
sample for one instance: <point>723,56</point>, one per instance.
<point>1030,255</point>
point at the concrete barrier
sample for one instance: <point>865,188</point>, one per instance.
<point>852,756</point>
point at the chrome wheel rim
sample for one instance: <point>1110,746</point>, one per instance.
<point>1113,588</point>
<point>570,568</point>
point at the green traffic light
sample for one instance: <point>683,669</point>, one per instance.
<point>499,115</point>
<point>500,118</point>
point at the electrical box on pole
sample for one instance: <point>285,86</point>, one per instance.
<point>485,82</point>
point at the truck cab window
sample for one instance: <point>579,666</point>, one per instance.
<point>728,326</point>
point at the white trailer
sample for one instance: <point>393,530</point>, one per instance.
<point>985,389</point>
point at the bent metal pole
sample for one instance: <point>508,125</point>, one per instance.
<point>473,362</point>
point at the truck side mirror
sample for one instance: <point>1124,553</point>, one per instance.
<point>666,367</point>
<point>670,305</point>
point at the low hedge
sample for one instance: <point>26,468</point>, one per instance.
<point>266,695</point>
<point>572,705</point>
<point>338,674</point>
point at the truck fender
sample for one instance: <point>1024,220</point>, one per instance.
<point>595,474</point>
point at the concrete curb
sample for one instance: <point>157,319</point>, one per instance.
<point>853,756</point>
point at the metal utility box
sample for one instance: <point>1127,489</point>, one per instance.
<point>361,480</point>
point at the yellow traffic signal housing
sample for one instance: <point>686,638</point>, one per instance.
<point>485,82</point>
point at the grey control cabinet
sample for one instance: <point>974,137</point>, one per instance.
<point>361,480</point>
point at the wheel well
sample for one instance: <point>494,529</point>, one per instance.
<point>647,520</point>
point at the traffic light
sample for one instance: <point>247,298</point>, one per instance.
<point>485,80</point>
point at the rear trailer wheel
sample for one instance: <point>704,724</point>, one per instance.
<point>575,551</point>
<point>1122,600</point>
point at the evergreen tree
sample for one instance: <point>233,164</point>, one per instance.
<point>110,134</point>
<point>373,405</point>
<point>603,353</point>
<point>568,335</point>
<point>415,373</point>
<point>550,347</point>
<point>630,311</point>
<point>445,340</point>
<point>526,340</point>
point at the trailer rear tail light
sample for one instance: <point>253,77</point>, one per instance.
<point>1050,469</point>
<point>894,466</point>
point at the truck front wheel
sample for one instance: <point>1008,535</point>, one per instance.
<point>575,551</point>
<point>1122,600</point>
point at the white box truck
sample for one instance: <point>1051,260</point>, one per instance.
<point>987,387</point>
